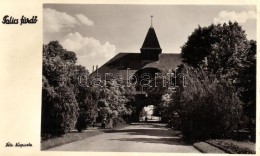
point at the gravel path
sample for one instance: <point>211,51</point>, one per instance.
<point>137,137</point>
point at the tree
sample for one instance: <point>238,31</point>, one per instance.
<point>86,97</point>
<point>114,103</point>
<point>247,86</point>
<point>87,108</point>
<point>225,52</point>
<point>219,48</point>
<point>208,107</point>
<point>144,113</point>
<point>198,46</point>
<point>59,104</point>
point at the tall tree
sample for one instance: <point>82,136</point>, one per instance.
<point>59,104</point>
<point>224,51</point>
<point>247,85</point>
<point>198,46</point>
<point>219,48</point>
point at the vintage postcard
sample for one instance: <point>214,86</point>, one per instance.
<point>128,77</point>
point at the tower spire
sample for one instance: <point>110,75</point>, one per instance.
<point>151,49</point>
<point>151,20</point>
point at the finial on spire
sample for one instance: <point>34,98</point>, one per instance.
<point>151,20</point>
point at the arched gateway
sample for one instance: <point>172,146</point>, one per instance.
<point>137,66</point>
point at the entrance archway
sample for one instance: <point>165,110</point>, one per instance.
<point>146,95</point>
<point>142,101</point>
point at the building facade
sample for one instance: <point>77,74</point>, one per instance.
<point>135,68</point>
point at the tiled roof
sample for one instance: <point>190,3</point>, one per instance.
<point>132,61</point>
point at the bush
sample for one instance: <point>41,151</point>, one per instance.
<point>59,110</point>
<point>118,122</point>
<point>208,108</point>
<point>86,98</point>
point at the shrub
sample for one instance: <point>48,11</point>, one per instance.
<point>208,108</point>
<point>59,109</point>
<point>87,112</point>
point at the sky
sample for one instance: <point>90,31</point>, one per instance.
<point>96,33</point>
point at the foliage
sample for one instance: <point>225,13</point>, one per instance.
<point>224,51</point>
<point>207,107</point>
<point>219,48</point>
<point>247,86</point>
<point>88,108</point>
<point>114,103</point>
<point>59,104</point>
<point>86,98</point>
<point>143,113</point>
<point>231,146</point>
<point>198,46</point>
<point>67,104</point>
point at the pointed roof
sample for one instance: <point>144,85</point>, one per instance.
<point>151,41</point>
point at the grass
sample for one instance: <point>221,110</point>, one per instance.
<point>74,136</point>
<point>234,147</point>
<point>206,148</point>
<point>67,138</point>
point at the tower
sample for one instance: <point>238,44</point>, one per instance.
<point>151,49</point>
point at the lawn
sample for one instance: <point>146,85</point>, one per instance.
<point>67,138</point>
<point>74,136</point>
<point>234,147</point>
<point>206,148</point>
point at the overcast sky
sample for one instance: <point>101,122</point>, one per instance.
<point>96,33</point>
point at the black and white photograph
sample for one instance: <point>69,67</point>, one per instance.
<point>149,78</point>
<point>122,77</point>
